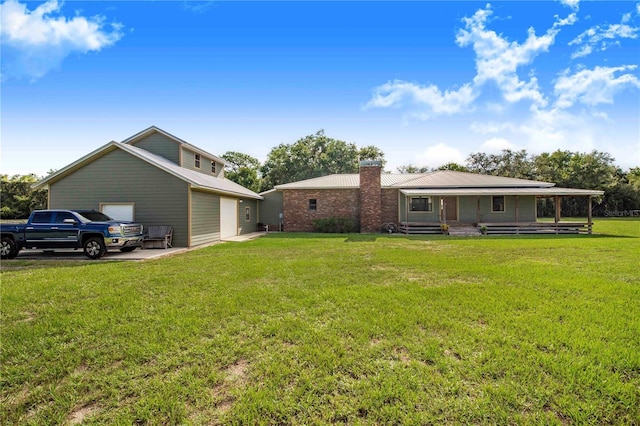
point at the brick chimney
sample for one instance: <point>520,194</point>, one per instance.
<point>370,197</point>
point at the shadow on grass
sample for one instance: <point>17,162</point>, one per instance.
<point>24,264</point>
<point>356,238</point>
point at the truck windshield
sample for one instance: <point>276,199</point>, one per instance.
<point>95,216</point>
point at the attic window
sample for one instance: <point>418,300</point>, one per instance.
<point>497,204</point>
<point>213,167</point>
<point>197,162</point>
<point>421,204</point>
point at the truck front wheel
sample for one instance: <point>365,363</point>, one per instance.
<point>94,248</point>
<point>8,250</point>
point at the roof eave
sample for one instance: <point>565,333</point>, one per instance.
<point>221,191</point>
<point>70,168</point>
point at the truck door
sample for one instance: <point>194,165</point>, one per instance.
<point>38,230</point>
<point>64,235</point>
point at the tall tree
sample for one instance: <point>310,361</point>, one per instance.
<point>453,166</point>
<point>508,163</point>
<point>371,152</point>
<point>18,198</point>
<point>410,168</point>
<point>594,170</point>
<point>313,156</point>
<point>243,169</point>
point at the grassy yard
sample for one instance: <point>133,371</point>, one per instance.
<point>316,329</point>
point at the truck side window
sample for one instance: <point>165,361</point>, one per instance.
<point>41,217</point>
<point>61,216</point>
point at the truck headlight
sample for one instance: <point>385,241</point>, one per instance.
<point>115,229</point>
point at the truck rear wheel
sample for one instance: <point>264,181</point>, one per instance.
<point>94,248</point>
<point>8,250</point>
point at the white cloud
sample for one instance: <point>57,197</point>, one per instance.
<point>593,87</point>
<point>431,100</point>
<point>498,60</point>
<point>573,4</point>
<point>599,38</point>
<point>437,155</point>
<point>496,145</point>
<point>37,41</point>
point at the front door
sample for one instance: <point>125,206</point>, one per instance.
<point>228,217</point>
<point>451,209</point>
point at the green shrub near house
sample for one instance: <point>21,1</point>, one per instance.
<point>323,329</point>
<point>334,225</point>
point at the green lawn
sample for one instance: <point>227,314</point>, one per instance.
<point>316,329</point>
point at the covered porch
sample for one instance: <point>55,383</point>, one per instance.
<point>488,210</point>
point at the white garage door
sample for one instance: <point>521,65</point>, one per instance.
<point>118,211</point>
<point>228,217</point>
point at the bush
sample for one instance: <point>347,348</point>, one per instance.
<point>334,225</point>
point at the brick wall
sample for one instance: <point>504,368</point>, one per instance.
<point>370,198</point>
<point>389,206</point>
<point>329,203</point>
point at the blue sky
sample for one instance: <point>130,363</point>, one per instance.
<point>427,82</point>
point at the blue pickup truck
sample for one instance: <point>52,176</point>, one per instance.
<point>90,230</point>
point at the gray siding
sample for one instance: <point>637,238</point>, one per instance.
<point>270,209</point>
<point>468,207</point>
<point>118,177</point>
<point>246,227</point>
<point>526,210</point>
<point>160,145</point>
<point>431,216</point>
<point>189,162</point>
<point>205,218</point>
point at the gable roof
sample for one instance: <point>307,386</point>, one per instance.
<point>196,179</point>
<point>442,182</point>
<point>132,140</point>
<point>436,179</point>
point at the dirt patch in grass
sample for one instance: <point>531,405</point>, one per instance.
<point>81,413</point>
<point>235,375</point>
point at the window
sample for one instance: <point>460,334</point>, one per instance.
<point>247,214</point>
<point>497,204</point>
<point>197,161</point>
<point>313,204</point>
<point>420,204</point>
<point>213,167</point>
<point>42,217</point>
<point>61,216</point>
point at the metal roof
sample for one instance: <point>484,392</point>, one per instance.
<point>196,179</point>
<point>453,179</point>
<point>548,191</point>
<point>437,179</point>
<point>338,181</point>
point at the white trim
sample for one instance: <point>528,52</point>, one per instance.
<point>504,204</point>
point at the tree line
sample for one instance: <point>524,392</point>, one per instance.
<point>318,155</point>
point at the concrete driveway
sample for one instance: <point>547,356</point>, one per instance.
<point>137,254</point>
<point>70,254</point>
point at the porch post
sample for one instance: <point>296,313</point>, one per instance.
<point>406,211</point>
<point>517,199</point>
<point>477,208</point>
<point>444,211</point>
<point>589,215</point>
<point>557,201</point>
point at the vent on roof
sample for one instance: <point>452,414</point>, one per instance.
<point>370,163</point>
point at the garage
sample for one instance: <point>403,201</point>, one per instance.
<point>228,217</point>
